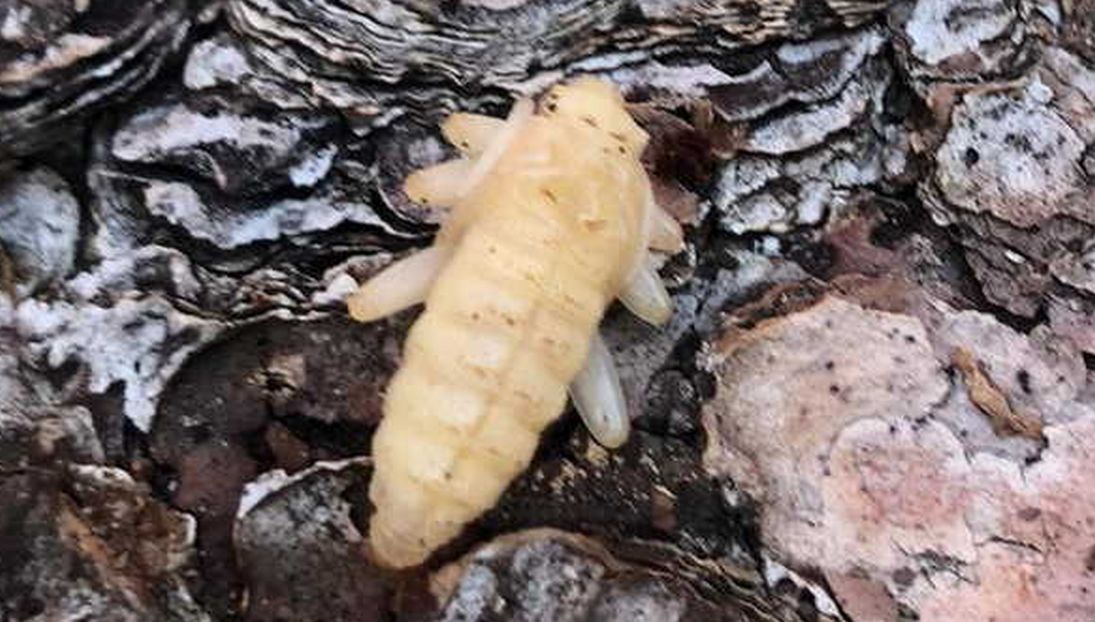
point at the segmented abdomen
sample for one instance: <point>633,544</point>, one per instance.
<point>486,369</point>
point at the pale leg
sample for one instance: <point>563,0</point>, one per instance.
<point>645,295</point>
<point>403,284</point>
<point>665,231</point>
<point>598,397</point>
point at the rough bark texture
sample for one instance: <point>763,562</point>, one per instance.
<point>872,402</point>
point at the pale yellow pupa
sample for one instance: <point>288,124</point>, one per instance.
<point>551,216</point>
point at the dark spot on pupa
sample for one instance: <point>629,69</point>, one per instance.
<point>623,149</point>
<point>910,339</point>
<point>618,136</point>
<point>589,121</point>
<point>464,144</point>
<point>834,389</point>
<point>550,195</point>
<point>829,365</point>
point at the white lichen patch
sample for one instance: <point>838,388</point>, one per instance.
<point>810,127</point>
<point>213,62</point>
<point>153,134</point>
<point>775,194</point>
<point>1015,158</point>
<point>944,29</point>
<point>181,205</point>
<point>271,482</point>
<point>814,143</point>
<point>681,81</point>
<point>311,169</point>
<point>39,226</point>
<point>811,73</point>
<point>863,469</point>
<point>67,49</point>
<point>120,274</point>
<point>1014,172</point>
<point>137,342</point>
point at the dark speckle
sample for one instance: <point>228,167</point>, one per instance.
<point>834,389</point>
<point>1018,142</point>
<point>829,365</point>
<point>1023,377</point>
<point>904,576</point>
<point>1028,514</point>
<point>971,157</point>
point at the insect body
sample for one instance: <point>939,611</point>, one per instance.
<point>551,217</point>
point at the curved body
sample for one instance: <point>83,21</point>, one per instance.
<point>549,223</point>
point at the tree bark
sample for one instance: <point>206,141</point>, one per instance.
<point>871,403</point>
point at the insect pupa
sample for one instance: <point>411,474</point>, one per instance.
<point>551,217</point>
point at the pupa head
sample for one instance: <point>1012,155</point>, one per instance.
<point>598,104</point>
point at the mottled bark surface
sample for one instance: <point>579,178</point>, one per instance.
<point>872,402</point>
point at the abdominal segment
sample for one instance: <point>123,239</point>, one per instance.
<point>486,369</point>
